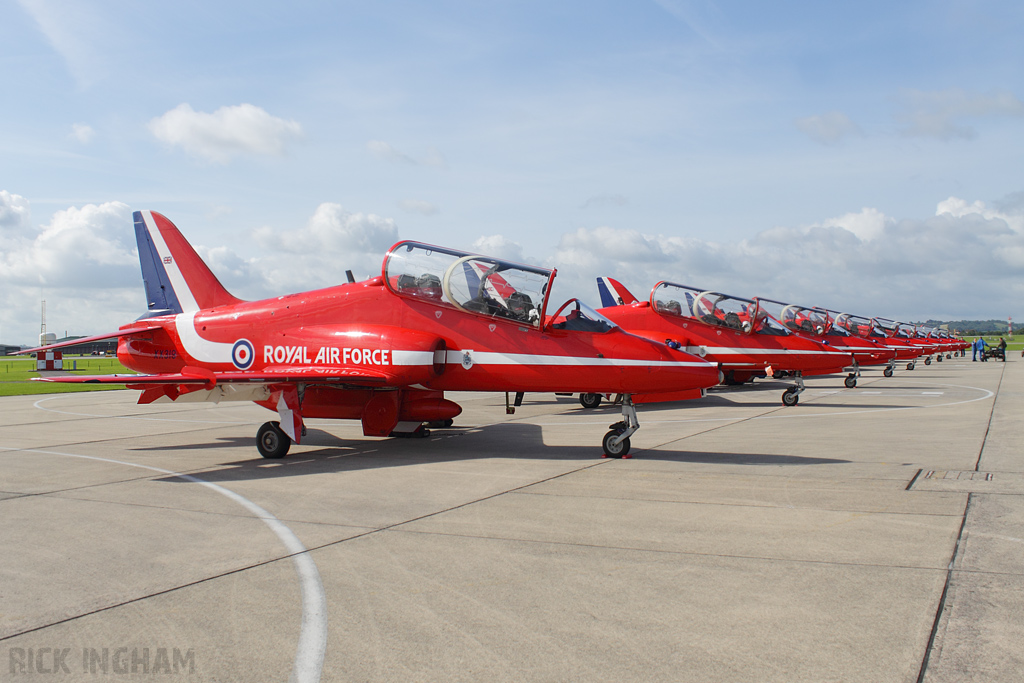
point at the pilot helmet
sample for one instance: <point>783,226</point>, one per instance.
<point>429,285</point>
<point>520,303</point>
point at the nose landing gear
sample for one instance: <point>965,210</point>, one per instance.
<point>616,442</point>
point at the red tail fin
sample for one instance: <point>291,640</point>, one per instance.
<point>193,284</point>
<point>613,293</point>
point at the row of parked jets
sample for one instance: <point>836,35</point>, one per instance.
<point>385,350</point>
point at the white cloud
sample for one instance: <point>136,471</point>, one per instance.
<point>90,247</point>
<point>14,214</point>
<point>334,240</point>
<point>867,224</point>
<point>499,246</point>
<point>217,137</point>
<point>82,132</point>
<point>960,208</point>
<point>418,206</point>
<point>82,262</point>
<point>942,114</point>
<point>828,128</point>
<point>865,262</point>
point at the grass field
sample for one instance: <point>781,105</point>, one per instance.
<point>16,375</point>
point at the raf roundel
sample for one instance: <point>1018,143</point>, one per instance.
<point>242,354</point>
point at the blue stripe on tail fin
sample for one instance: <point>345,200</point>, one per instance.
<point>160,297</point>
<point>607,298</point>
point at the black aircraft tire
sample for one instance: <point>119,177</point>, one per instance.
<point>928,361</point>
<point>271,442</point>
<point>614,451</point>
<point>590,401</point>
<point>850,382</point>
<point>887,372</point>
<point>910,366</point>
<point>790,397</point>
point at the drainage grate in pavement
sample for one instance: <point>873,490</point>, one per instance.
<point>967,481</point>
<point>957,474</point>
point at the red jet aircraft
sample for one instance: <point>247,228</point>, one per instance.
<point>382,351</point>
<point>900,338</point>
<point>743,339</point>
<point>817,324</point>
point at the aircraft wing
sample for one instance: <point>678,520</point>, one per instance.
<point>198,376</point>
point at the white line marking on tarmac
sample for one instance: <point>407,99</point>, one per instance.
<point>309,653</point>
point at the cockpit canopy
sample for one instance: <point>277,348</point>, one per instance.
<point>891,327</point>
<point>797,318</point>
<point>860,326</point>
<point>468,282</point>
<point>713,308</point>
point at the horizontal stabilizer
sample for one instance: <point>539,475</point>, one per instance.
<point>88,340</point>
<point>190,376</point>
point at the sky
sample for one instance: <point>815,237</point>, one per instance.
<point>861,156</point>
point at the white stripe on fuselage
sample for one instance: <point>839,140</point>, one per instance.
<point>495,358</point>
<point>178,283</point>
<point>200,349</point>
<point>743,351</point>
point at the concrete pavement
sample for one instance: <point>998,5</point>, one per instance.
<point>855,537</point>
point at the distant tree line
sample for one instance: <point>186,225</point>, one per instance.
<point>970,328</point>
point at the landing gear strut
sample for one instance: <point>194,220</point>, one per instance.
<point>616,442</point>
<point>271,442</point>
<point>791,396</point>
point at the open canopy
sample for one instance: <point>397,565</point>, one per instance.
<point>859,325</point>
<point>468,282</point>
<point>797,318</point>
<point>714,308</point>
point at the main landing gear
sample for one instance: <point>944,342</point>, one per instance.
<point>590,400</point>
<point>791,396</point>
<point>851,380</point>
<point>616,442</point>
<point>271,441</point>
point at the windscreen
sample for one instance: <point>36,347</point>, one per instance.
<point>576,315</point>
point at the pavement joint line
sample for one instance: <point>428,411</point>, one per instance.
<point>945,592</point>
<point>747,505</point>
<point>991,414</point>
<point>668,551</point>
